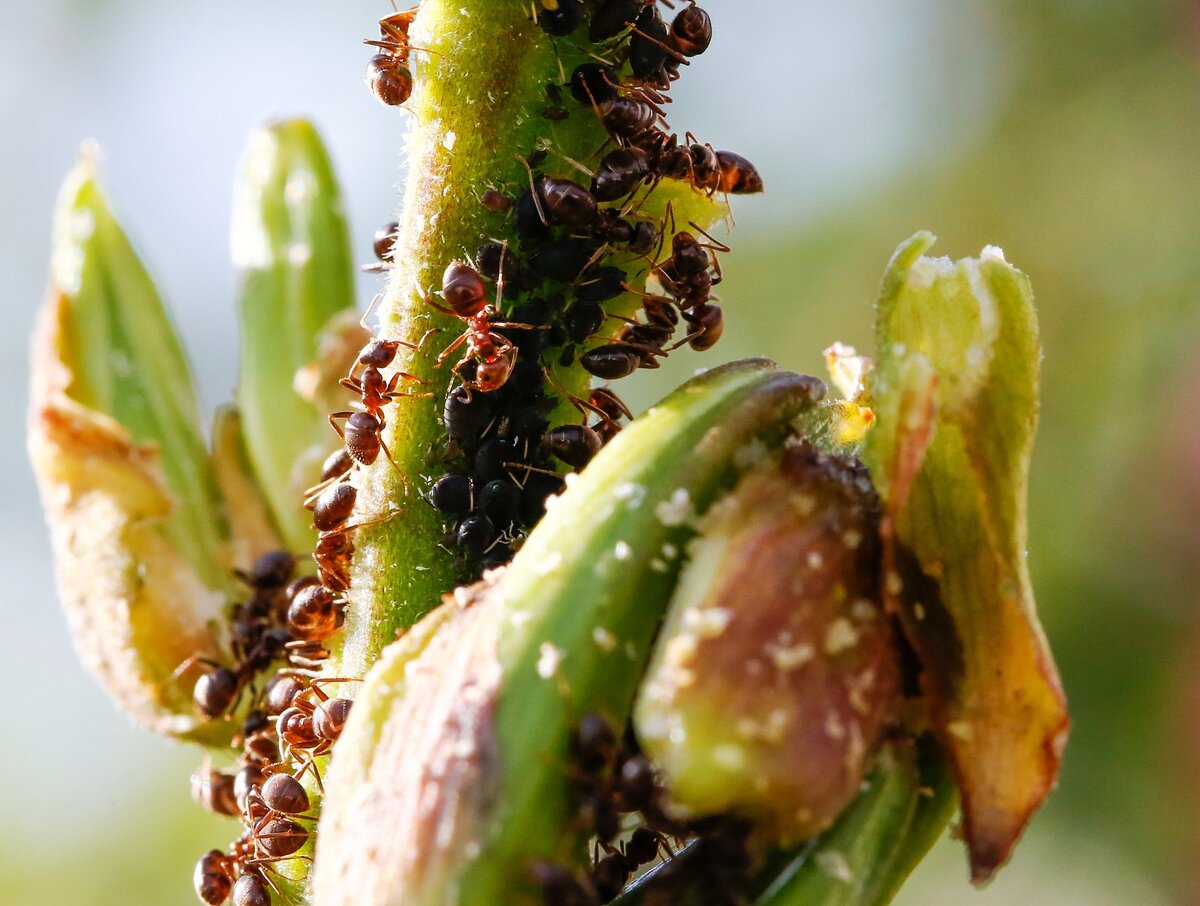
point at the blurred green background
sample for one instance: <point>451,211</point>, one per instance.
<point>1065,131</point>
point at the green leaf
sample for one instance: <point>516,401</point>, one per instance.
<point>128,489</point>
<point>956,402</point>
<point>864,858</point>
<point>291,244</point>
<point>126,361</point>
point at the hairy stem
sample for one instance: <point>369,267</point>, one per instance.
<point>482,71</point>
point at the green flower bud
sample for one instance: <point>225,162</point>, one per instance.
<point>776,673</point>
<point>292,245</point>
<point>127,485</point>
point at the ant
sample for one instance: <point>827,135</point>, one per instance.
<point>465,295</point>
<point>388,75</point>
<point>374,389</point>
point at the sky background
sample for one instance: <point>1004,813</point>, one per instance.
<point>1062,130</point>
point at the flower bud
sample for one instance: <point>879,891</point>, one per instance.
<point>292,246</point>
<point>776,673</point>
<point>126,483</point>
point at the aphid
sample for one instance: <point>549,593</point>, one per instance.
<point>691,31</point>
<point>538,487</point>
<point>564,260</point>
<point>619,173</point>
<point>385,238</point>
<point>612,361</point>
<point>582,320</point>
<point>495,200</point>
<point>601,284</point>
<point>499,501</point>
<point>475,534</point>
<point>465,414</point>
<point>495,260</point>
<point>567,203</point>
<point>528,219</point>
<point>561,18</point>
<point>648,48</point>
<point>612,18</point>
<point>594,84</point>
<point>453,494</point>
<point>738,175</point>
<point>573,444</point>
<point>388,75</point>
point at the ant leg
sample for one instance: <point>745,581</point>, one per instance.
<point>449,350</point>
<point>336,427</point>
<point>716,244</point>
<point>388,453</point>
<point>188,664</point>
<point>537,202</point>
<point>572,161</point>
<point>370,308</point>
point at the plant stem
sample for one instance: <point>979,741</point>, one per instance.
<point>481,79</point>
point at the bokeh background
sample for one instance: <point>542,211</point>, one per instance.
<point>1065,131</point>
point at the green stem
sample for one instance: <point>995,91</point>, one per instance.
<point>481,80</point>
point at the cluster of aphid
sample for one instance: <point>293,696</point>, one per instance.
<point>290,721</point>
<point>616,785</point>
<point>576,244</point>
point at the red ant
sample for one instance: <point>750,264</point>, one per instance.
<point>465,295</point>
<point>388,75</point>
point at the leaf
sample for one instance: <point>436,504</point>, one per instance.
<point>864,858</point>
<point>292,246</point>
<point>135,546</point>
<point>956,395</point>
